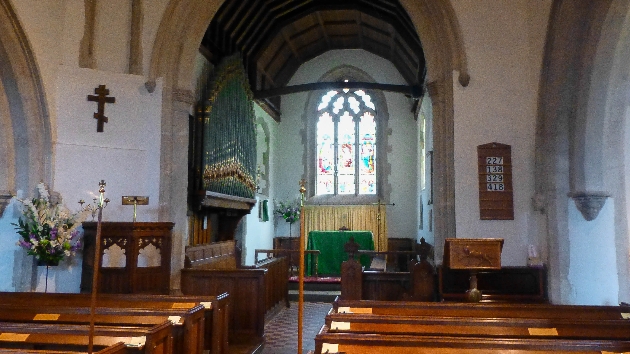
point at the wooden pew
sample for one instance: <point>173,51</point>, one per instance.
<point>118,348</point>
<point>417,284</point>
<point>207,325</point>
<point>139,340</point>
<point>276,282</point>
<point>213,269</point>
<point>487,326</point>
<point>187,329</point>
<point>509,284</point>
<point>411,327</point>
<point>355,343</point>
<point>497,310</point>
<point>292,255</point>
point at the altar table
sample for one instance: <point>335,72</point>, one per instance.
<point>330,244</point>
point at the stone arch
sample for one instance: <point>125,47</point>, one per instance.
<point>582,116</point>
<point>177,42</point>
<point>26,152</point>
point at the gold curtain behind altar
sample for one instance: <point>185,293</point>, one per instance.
<point>354,217</point>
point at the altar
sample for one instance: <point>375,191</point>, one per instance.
<point>330,244</point>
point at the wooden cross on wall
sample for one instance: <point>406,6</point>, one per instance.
<point>102,98</point>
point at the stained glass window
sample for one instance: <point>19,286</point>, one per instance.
<point>346,143</point>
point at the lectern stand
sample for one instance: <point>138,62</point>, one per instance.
<point>474,255</point>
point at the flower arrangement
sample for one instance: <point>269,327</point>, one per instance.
<point>289,211</point>
<point>47,229</point>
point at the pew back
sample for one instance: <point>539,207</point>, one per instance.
<point>203,319</point>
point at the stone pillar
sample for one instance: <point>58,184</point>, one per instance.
<point>443,180</point>
<point>174,180</point>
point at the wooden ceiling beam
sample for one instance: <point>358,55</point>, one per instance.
<point>359,29</point>
<point>268,76</point>
<point>323,5</point>
<point>323,28</point>
<point>392,44</point>
<point>412,91</point>
<point>288,41</point>
<point>231,14</point>
<point>261,15</point>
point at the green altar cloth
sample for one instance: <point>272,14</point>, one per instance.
<point>330,244</point>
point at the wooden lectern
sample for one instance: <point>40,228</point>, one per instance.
<point>473,254</point>
<point>131,238</point>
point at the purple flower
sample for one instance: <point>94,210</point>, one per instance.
<point>53,234</point>
<point>76,246</point>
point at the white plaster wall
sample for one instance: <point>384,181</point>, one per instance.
<point>401,218</point>
<point>593,273</point>
<point>504,44</point>
<point>403,157</point>
<point>126,155</point>
<point>259,234</point>
<point>425,189</point>
<point>8,238</point>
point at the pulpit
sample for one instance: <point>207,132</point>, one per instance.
<point>135,257</point>
<point>473,254</point>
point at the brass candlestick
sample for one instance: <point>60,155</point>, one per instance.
<point>96,208</point>
<point>301,273</point>
<point>302,191</point>
<point>97,202</point>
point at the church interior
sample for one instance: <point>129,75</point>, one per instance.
<point>448,175</point>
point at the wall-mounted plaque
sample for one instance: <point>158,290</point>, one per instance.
<point>496,198</point>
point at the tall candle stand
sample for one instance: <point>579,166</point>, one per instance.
<point>96,208</point>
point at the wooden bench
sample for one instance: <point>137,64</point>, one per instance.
<point>213,269</point>
<point>358,343</point>
<point>478,326</point>
<point>417,284</point>
<point>495,310</point>
<point>118,348</point>
<point>412,327</point>
<point>140,340</point>
<point>509,284</point>
<point>200,322</point>
<point>187,324</point>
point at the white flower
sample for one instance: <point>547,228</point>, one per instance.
<point>43,191</point>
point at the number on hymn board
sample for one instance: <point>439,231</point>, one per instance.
<point>494,169</point>
<point>494,178</point>
<point>494,160</point>
<point>494,187</point>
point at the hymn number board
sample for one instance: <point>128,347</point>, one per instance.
<point>496,199</point>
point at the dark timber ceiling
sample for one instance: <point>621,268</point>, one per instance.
<point>275,37</point>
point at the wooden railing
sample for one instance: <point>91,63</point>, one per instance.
<point>291,255</point>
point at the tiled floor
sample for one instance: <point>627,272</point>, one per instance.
<point>281,330</point>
